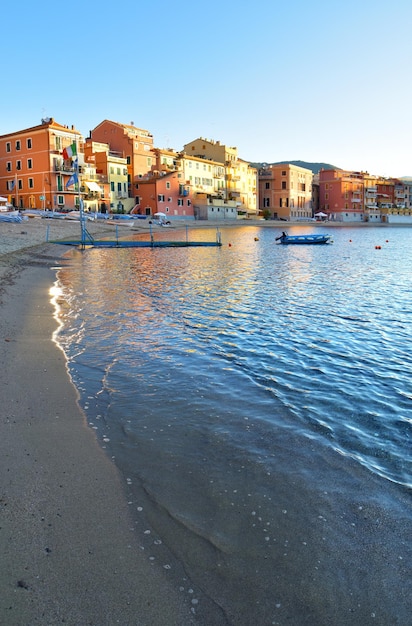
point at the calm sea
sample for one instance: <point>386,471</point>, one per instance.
<point>257,399</point>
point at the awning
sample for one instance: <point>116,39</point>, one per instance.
<point>93,186</point>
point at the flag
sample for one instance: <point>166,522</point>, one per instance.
<point>70,152</point>
<point>73,180</point>
<point>11,185</point>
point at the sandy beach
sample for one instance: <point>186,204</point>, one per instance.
<point>69,552</point>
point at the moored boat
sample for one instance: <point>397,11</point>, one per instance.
<point>303,239</point>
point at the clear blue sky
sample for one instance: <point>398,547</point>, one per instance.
<point>316,81</point>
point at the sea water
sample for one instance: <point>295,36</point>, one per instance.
<point>257,400</point>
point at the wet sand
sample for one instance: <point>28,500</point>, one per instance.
<point>69,553</point>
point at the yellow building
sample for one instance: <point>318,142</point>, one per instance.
<point>238,182</point>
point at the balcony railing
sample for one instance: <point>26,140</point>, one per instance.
<point>61,166</point>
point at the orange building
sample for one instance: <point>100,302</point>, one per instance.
<point>127,141</point>
<point>33,171</point>
<point>341,195</point>
<point>361,197</point>
<point>285,191</point>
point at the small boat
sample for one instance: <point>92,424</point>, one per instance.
<point>303,239</point>
<point>7,212</point>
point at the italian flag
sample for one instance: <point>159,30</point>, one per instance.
<point>69,152</point>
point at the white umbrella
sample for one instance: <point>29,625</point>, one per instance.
<point>160,215</point>
<point>320,214</point>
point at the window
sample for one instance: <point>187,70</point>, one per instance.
<point>128,160</point>
<point>8,146</point>
<point>29,144</point>
<point>18,165</point>
<point>29,164</point>
<point>31,183</point>
<point>20,184</point>
<point>160,197</point>
<point>18,144</point>
<point>119,187</point>
<point>179,202</point>
<point>266,203</point>
<point>283,184</point>
<point>8,166</point>
<point>112,186</point>
<point>168,185</point>
<point>58,143</point>
<point>284,173</point>
<point>60,200</point>
<point>267,185</point>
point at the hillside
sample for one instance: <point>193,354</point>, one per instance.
<point>314,167</point>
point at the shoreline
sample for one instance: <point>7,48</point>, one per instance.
<point>69,550</point>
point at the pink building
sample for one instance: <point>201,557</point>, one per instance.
<point>166,194</point>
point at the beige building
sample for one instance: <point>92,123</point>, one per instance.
<point>285,191</point>
<point>201,183</point>
<point>237,178</point>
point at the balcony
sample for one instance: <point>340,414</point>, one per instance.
<point>62,166</point>
<point>183,191</point>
